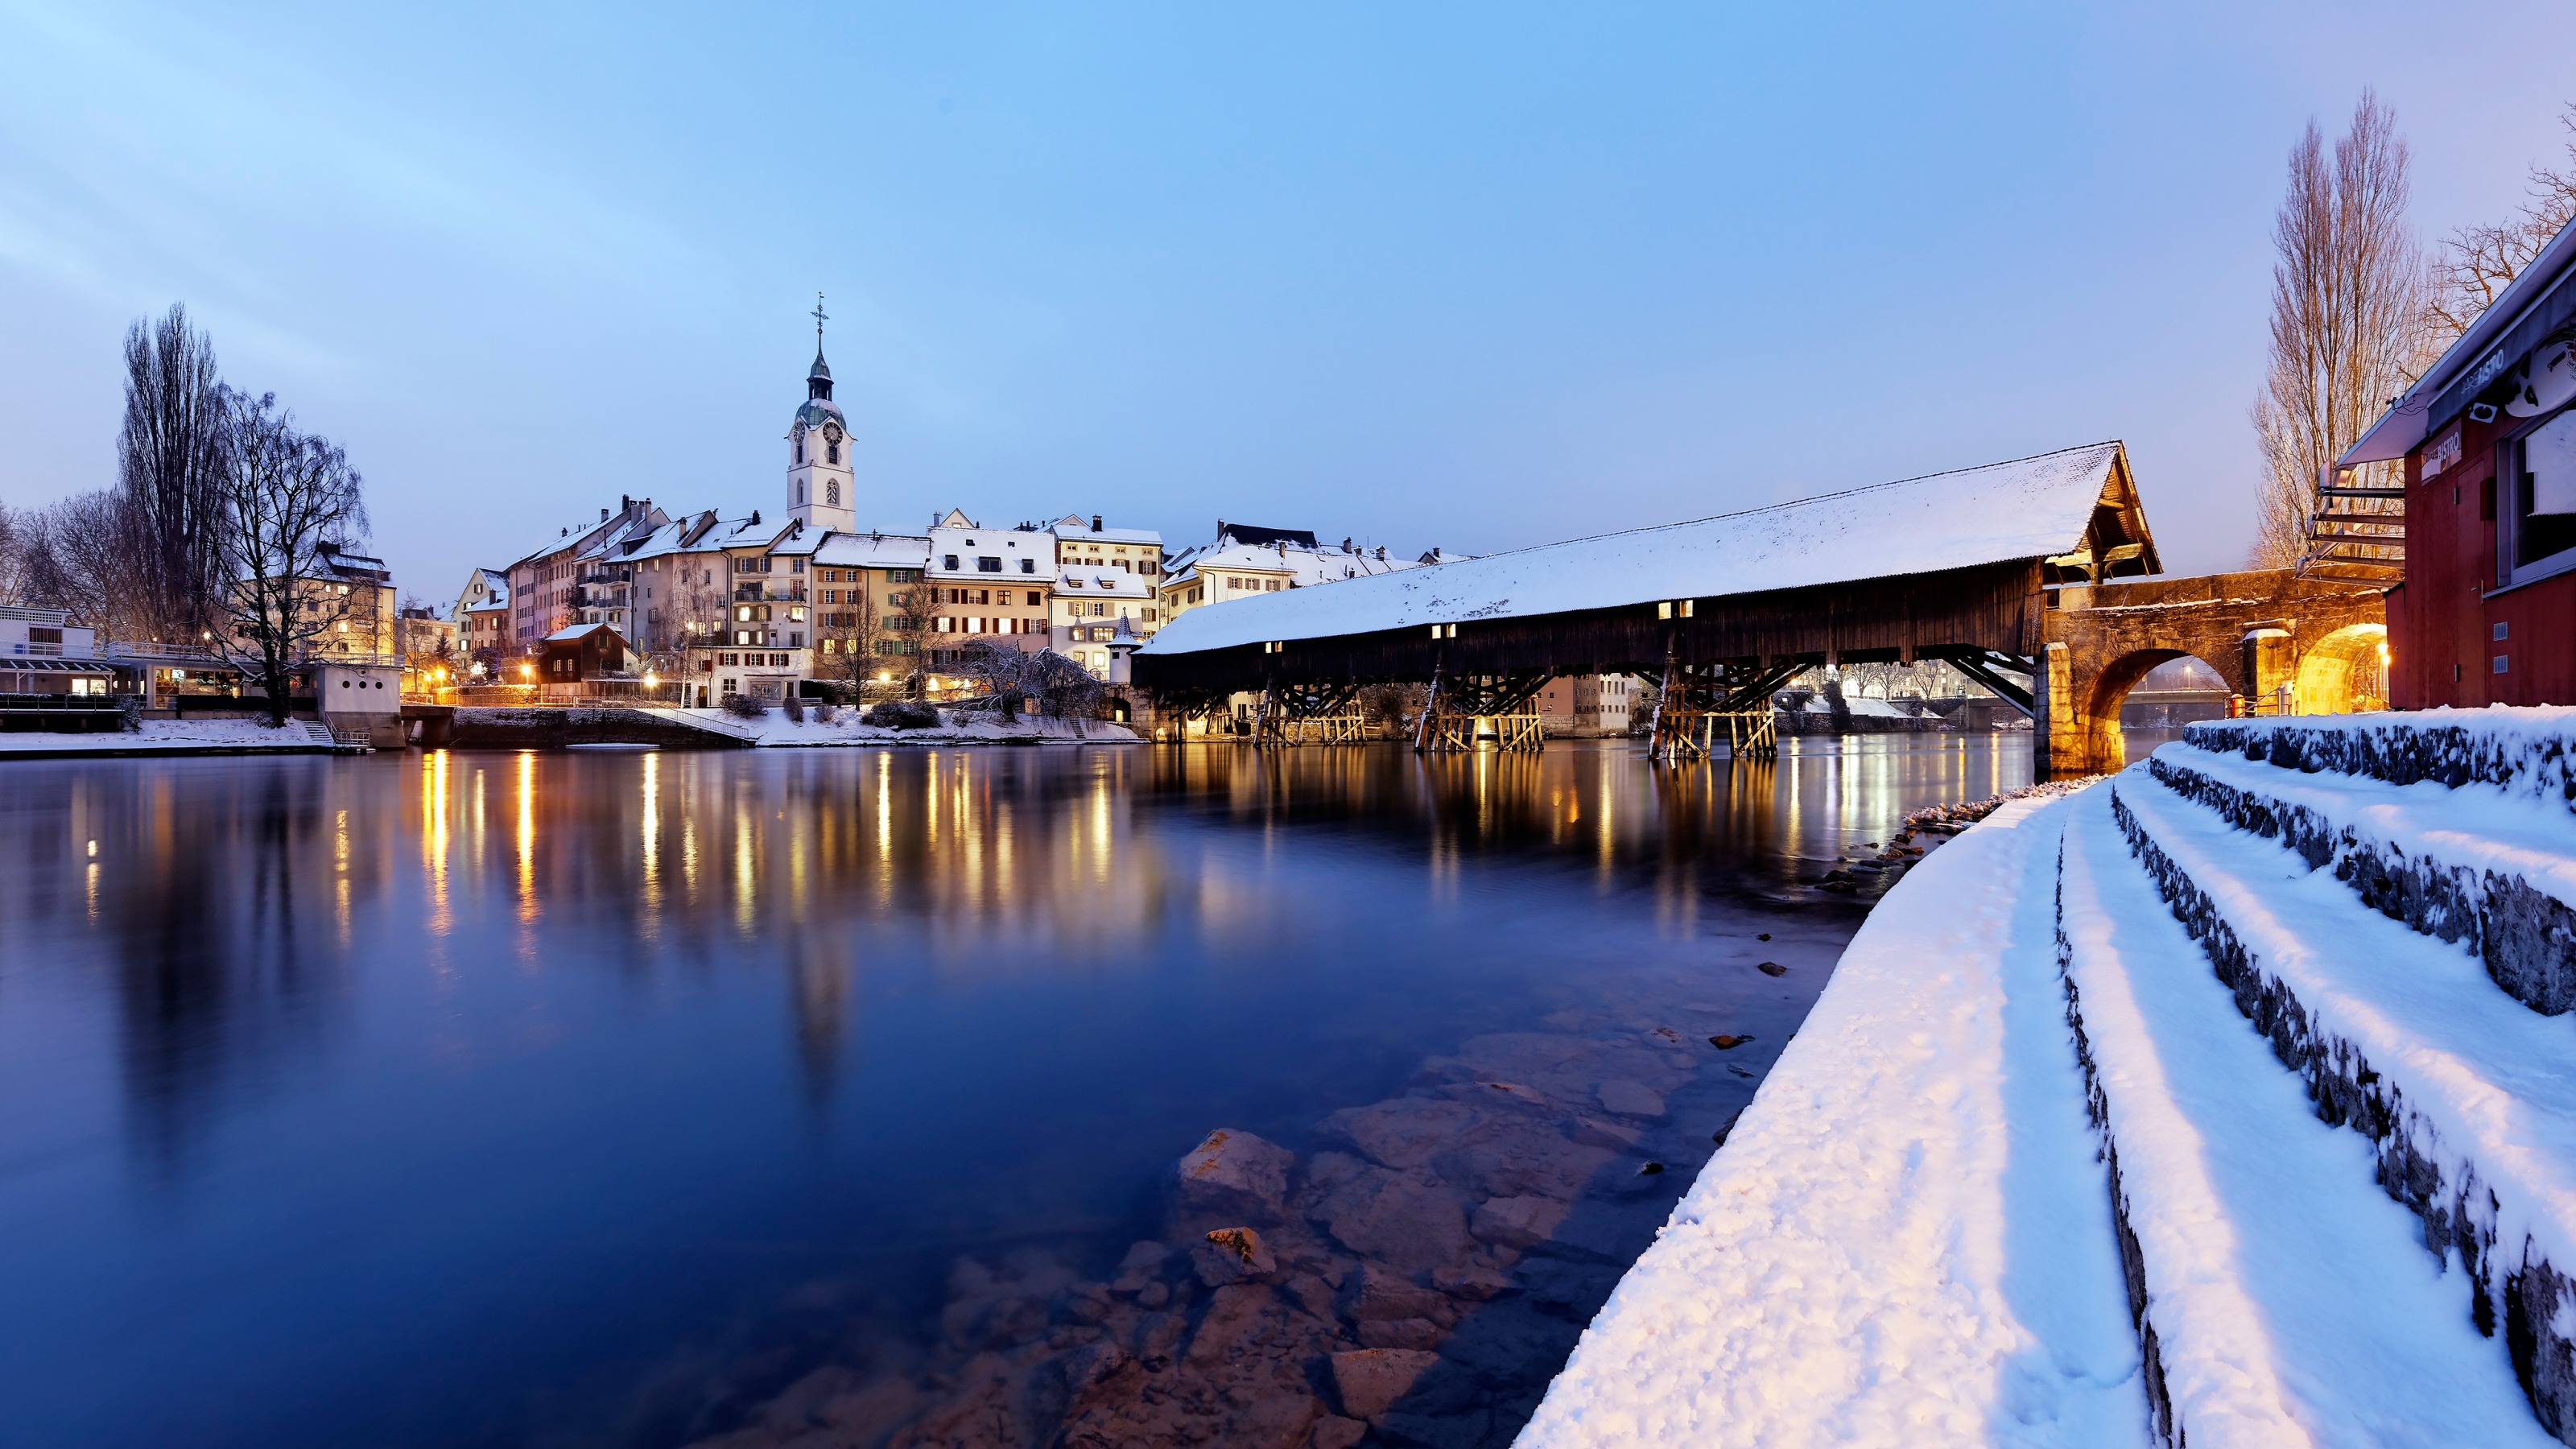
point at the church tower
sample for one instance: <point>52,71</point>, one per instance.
<point>820,491</point>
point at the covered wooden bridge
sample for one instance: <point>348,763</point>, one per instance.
<point>1721,610</point>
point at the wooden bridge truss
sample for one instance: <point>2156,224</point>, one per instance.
<point>1311,712</point>
<point>1695,700</point>
<point>1463,705</point>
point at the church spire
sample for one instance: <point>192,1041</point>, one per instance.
<point>818,382</point>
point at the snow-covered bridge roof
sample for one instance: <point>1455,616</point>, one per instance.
<point>2030,508</point>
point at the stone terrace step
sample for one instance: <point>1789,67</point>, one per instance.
<point>2282,1300</point>
<point>2468,1099</point>
<point>2493,872</point>
<point>2529,752</point>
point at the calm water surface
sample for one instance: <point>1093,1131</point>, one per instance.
<point>586,1099</point>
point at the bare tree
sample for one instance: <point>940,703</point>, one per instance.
<point>908,630</point>
<point>76,559</point>
<point>1059,687</point>
<point>2348,308</point>
<point>169,466</point>
<point>19,532</point>
<point>2478,262</point>
<point>286,496</point>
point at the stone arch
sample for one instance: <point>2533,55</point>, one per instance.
<point>2106,745</point>
<point>2345,672</point>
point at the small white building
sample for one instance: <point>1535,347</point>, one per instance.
<point>43,653</point>
<point>1090,602</point>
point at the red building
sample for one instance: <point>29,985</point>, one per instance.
<point>2487,612</point>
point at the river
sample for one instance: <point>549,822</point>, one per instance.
<point>644,1099</point>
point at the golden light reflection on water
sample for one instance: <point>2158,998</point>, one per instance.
<point>433,839</point>
<point>527,835</point>
<point>1014,857</point>
<point>650,813</point>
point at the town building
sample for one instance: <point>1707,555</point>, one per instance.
<point>46,663</point>
<point>1243,560</point>
<point>562,581</point>
<point>579,653</point>
<point>2484,611</point>
<point>1585,705</point>
<point>482,616</point>
<point>1104,575</point>
<point>356,592</point>
<point>865,620</point>
<point>1091,603</point>
<point>986,585</point>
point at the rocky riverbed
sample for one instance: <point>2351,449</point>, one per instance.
<point>1415,1277</point>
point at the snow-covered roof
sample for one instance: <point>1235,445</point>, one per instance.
<point>1073,529</point>
<point>577,631</point>
<point>2028,508</point>
<point>1104,583</point>
<point>496,593</point>
<point>873,550</point>
<point>1304,567</point>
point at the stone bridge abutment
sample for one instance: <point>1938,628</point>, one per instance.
<point>2310,644</point>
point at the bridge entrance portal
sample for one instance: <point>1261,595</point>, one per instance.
<point>2284,644</point>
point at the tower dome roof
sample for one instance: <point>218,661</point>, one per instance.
<point>815,411</point>
<point>821,370</point>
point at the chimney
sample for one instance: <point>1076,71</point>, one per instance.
<point>755,516</point>
<point>1095,523</point>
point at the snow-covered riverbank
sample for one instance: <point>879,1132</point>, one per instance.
<point>2130,1117</point>
<point>174,737</point>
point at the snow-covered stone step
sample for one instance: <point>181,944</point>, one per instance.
<point>2526,752</point>
<point>2491,871</point>
<point>2282,1299</point>
<point>2468,1098</point>
<point>1907,1240</point>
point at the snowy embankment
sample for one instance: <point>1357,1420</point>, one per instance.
<point>1906,1239</point>
<point>181,737</point>
<point>2224,1104</point>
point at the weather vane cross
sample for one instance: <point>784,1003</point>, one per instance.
<point>819,317</point>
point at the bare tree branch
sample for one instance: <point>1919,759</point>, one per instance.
<point>286,495</point>
<point>2348,316</point>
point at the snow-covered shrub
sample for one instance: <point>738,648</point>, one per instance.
<point>903,714</point>
<point>743,706</point>
<point>794,706</point>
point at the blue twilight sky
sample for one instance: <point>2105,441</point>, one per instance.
<point>1470,275</point>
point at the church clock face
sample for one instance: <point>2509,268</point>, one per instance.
<point>832,431</point>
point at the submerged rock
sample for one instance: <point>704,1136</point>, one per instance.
<point>1236,1175</point>
<point>1370,1381</point>
<point>1631,1099</point>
